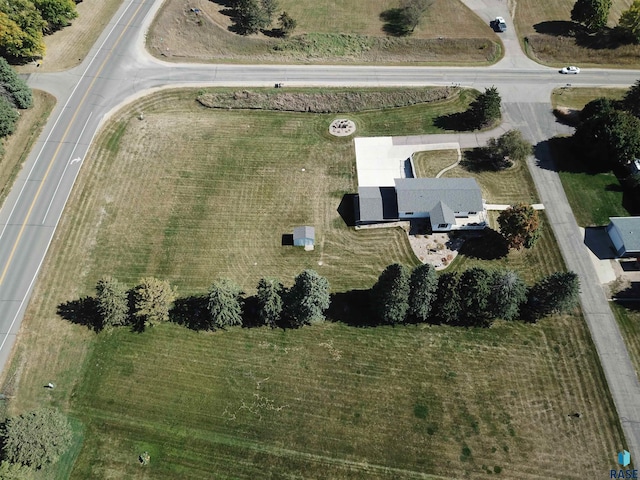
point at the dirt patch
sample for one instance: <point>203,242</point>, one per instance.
<point>324,102</point>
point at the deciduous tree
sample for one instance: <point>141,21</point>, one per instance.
<point>508,293</point>
<point>153,298</point>
<point>308,298</point>
<point>27,17</point>
<point>36,438</point>
<point>270,304</point>
<point>113,302</point>
<point>629,22</point>
<point>15,471</point>
<point>390,295</point>
<point>520,225</point>
<point>225,304</point>
<point>56,13</point>
<point>422,292</point>
<point>509,147</point>
<point>593,14</point>
<point>412,12</point>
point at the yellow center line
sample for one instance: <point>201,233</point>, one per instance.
<point>55,154</point>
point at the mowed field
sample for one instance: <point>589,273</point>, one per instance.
<point>327,31</point>
<point>550,36</point>
<point>191,194</point>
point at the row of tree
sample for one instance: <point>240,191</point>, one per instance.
<point>474,298</point>
<point>14,94</point>
<point>151,300</point>
<point>252,16</point>
<point>24,22</point>
<point>593,14</point>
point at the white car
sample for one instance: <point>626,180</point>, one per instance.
<point>572,69</point>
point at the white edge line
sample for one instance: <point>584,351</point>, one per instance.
<point>53,197</point>
<point>44,144</point>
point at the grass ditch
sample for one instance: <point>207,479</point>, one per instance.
<point>550,37</point>
<point>18,145</point>
<point>327,32</point>
<point>211,197</point>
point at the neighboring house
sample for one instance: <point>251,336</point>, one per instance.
<point>624,233</point>
<point>634,166</point>
<point>449,203</point>
<point>304,237</point>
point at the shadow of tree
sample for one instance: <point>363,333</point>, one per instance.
<point>394,23</point>
<point>192,312</point>
<point>459,122</point>
<point>351,308</point>
<point>489,245</point>
<point>83,311</point>
<point>606,39</point>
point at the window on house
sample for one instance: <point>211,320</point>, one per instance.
<point>443,225</point>
<point>473,213</point>
<point>409,213</point>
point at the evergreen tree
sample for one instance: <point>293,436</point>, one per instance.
<point>629,23</point>
<point>19,91</point>
<point>474,289</point>
<point>153,298</point>
<point>113,302</point>
<point>225,304</point>
<point>555,293</point>
<point>270,304</point>
<point>307,299</point>
<point>423,285</point>
<point>8,118</point>
<point>485,109</point>
<point>390,295</point>
<point>446,305</point>
<point>631,100</point>
<point>287,24</point>
<point>508,293</point>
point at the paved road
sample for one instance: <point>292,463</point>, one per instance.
<point>118,69</point>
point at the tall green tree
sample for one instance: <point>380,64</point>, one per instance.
<point>555,293</point>
<point>287,24</point>
<point>446,305</point>
<point>19,91</point>
<point>27,17</point>
<point>270,304</point>
<point>8,118</point>
<point>412,12</point>
<point>593,14</point>
<point>153,298</point>
<point>56,13</point>
<point>36,438</point>
<point>225,304</point>
<point>250,16</point>
<point>520,225</point>
<point>15,471</point>
<point>485,109</point>
<point>113,302</point>
<point>629,22</point>
<point>631,100</point>
<point>508,294</point>
<point>474,289</point>
<point>422,291</point>
<point>269,8</point>
<point>308,298</point>
<point>390,295</point>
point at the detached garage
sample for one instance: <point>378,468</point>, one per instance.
<point>624,233</point>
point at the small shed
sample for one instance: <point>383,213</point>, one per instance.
<point>304,237</point>
<point>624,233</point>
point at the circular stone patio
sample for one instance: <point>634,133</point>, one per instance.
<point>342,127</point>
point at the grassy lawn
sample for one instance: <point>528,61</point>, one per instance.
<point>577,98</point>
<point>628,317</point>
<point>552,38</point>
<point>430,163</point>
<point>66,48</point>
<point>327,32</point>
<point>191,194</point>
<point>18,145</point>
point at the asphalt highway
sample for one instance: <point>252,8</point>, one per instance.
<point>118,69</point>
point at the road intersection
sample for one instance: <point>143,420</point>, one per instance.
<point>118,70</point>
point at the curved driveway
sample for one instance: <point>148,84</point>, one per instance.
<point>118,69</point>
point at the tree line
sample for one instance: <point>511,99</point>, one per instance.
<point>23,23</point>
<point>473,298</point>
<point>593,15</point>
<point>14,95</point>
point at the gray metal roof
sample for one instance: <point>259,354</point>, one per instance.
<point>304,232</point>
<point>629,228</point>
<point>423,194</point>
<point>377,204</point>
<point>441,214</point>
